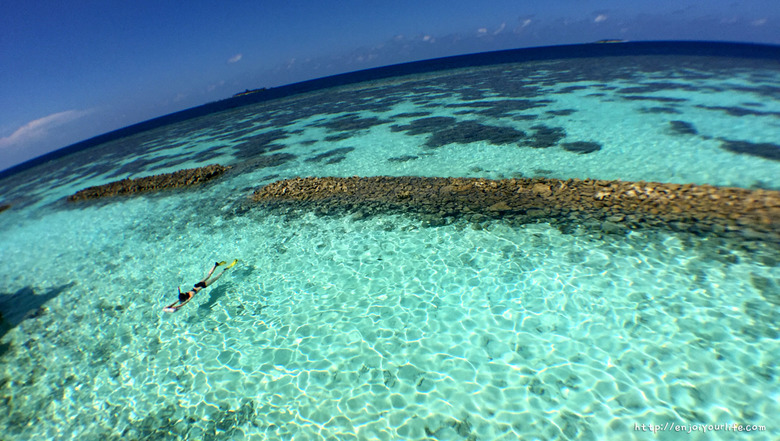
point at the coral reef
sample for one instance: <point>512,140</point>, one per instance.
<point>608,206</point>
<point>545,137</point>
<point>178,179</point>
<point>333,156</point>
<point>581,147</point>
<point>765,150</point>
<point>682,128</point>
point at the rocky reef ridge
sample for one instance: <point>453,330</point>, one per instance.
<point>611,206</point>
<point>177,179</point>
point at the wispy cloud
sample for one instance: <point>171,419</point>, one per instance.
<point>599,18</point>
<point>40,127</point>
<point>212,87</point>
<point>235,58</point>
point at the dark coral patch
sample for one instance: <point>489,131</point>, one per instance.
<point>174,163</point>
<point>581,147</point>
<point>139,165</point>
<point>498,108</point>
<point>411,115</point>
<point>542,172</point>
<point>562,112</point>
<point>660,99</point>
<point>764,150</point>
<point>259,144</point>
<point>739,111</point>
<point>683,128</point>
<point>352,122</point>
<point>471,131</point>
<point>424,125</point>
<point>263,161</point>
<point>403,158</point>
<point>658,87</point>
<point>570,89</point>
<point>335,160</point>
<point>544,137</point>
<point>4,207</point>
<point>660,109</point>
<point>767,287</point>
<point>333,156</point>
<point>339,136</point>
<point>251,151</point>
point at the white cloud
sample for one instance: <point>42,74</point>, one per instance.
<point>500,29</point>
<point>759,22</point>
<point>235,58</point>
<point>212,87</point>
<point>40,127</point>
<point>599,18</point>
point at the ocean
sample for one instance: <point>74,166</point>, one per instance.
<point>368,319</point>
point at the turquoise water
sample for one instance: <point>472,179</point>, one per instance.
<point>385,328</point>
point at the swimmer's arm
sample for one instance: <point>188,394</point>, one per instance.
<point>173,307</point>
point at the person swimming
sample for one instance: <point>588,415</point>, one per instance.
<point>185,297</point>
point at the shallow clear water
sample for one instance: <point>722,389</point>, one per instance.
<point>383,328</point>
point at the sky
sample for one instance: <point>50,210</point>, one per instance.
<point>71,70</point>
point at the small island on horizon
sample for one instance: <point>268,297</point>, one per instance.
<point>250,92</point>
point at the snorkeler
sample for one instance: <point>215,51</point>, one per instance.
<point>185,297</point>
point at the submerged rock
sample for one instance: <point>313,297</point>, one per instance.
<point>613,207</point>
<point>765,150</point>
<point>768,288</point>
<point>545,137</point>
<point>332,156</point>
<point>581,147</point>
<point>178,179</point>
<point>682,128</point>
<point>464,132</point>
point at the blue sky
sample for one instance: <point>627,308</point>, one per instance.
<point>70,70</point>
